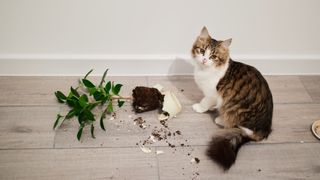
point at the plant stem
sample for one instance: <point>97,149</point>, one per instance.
<point>114,97</point>
<point>103,77</point>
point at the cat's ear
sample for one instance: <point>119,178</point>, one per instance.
<point>204,32</point>
<point>226,43</point>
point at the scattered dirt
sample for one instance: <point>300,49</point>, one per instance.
<point>195,175</point>
<point>159,134</point>
<point>171,145</point>
<point>140,122</point>
<point>147,99</point>
<point>164,123</point>
<point>163,133</point>
<point>197,160</point>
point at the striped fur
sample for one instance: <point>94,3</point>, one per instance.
<point>239,93</point>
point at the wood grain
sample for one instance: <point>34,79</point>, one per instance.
<point>27,127</point>
<point>275,161</point>
<point>291,123</point>
<point>40,90</point>
<point>30,149</point>
<point>103,163</point>
<point>288,89</point>
<point>312,85</point>
<point>120,131</point>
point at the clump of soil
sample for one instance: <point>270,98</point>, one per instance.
<point>164,123</point>
<point>146,99</point>
<point>140,122</point>
<point>195,160</point>
<point>159,134</point>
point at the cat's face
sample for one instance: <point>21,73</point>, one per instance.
<point>210,52</point>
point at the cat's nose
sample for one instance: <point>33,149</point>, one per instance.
<point>205,60</point>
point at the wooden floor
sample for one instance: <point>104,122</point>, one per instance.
<point>31,149</point>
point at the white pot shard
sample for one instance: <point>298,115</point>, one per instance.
<point>171,104</point>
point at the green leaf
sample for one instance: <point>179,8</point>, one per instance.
<point>103,92</point>
<point>85,97</point>
<point>81,105</point>
<point>103,77</point>
<point>88,83</point>
<point>60,96</point>
<point>101,120</point>
<point>57,121</point>
<point>70,95</point>
<point>98,96</point>
<point>88,115</point>
<point>92,90</point>
<point>79,133</point>
<point>74,92</point>
<point>110,107</point>
<point>105,99</point>
<point>71,102</point>
<point>108,87</point>
<point>81,118</point>
<point>92,131</point>
<point>92,105</point>
<point>85,77</point>
<point>71,113</point>
<point>83,100</point>
<point>116,89</point>
<point>120,103</point>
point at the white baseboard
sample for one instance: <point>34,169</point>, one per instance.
<point>140,65</point>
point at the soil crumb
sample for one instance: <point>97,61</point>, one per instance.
<point>140,122</point>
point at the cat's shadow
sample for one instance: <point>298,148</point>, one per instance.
<point>181,66</point>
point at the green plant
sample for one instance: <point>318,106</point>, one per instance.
<point>83,99</point>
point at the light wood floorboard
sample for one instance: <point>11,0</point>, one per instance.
<point>31,149</point>
<point>106,163</point>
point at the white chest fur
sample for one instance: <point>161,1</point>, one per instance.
<point>207,79</point>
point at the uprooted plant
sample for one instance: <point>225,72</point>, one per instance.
<point>84,98</point>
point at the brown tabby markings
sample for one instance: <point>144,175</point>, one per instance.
<point>218,54</point>
<point>247,106</point>
<point>247,100</point>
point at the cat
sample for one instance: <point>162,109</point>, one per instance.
<point>237,91</point>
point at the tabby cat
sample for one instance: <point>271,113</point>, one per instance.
<point>237,91</point>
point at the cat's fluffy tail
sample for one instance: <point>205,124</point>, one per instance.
<point>224,146</point>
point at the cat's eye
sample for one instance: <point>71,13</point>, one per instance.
<point>202,51</point>
<point>214,57</point>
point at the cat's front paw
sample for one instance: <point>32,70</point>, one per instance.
<point>198,108</point>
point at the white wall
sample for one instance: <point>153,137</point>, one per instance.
<point>53,30</point>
